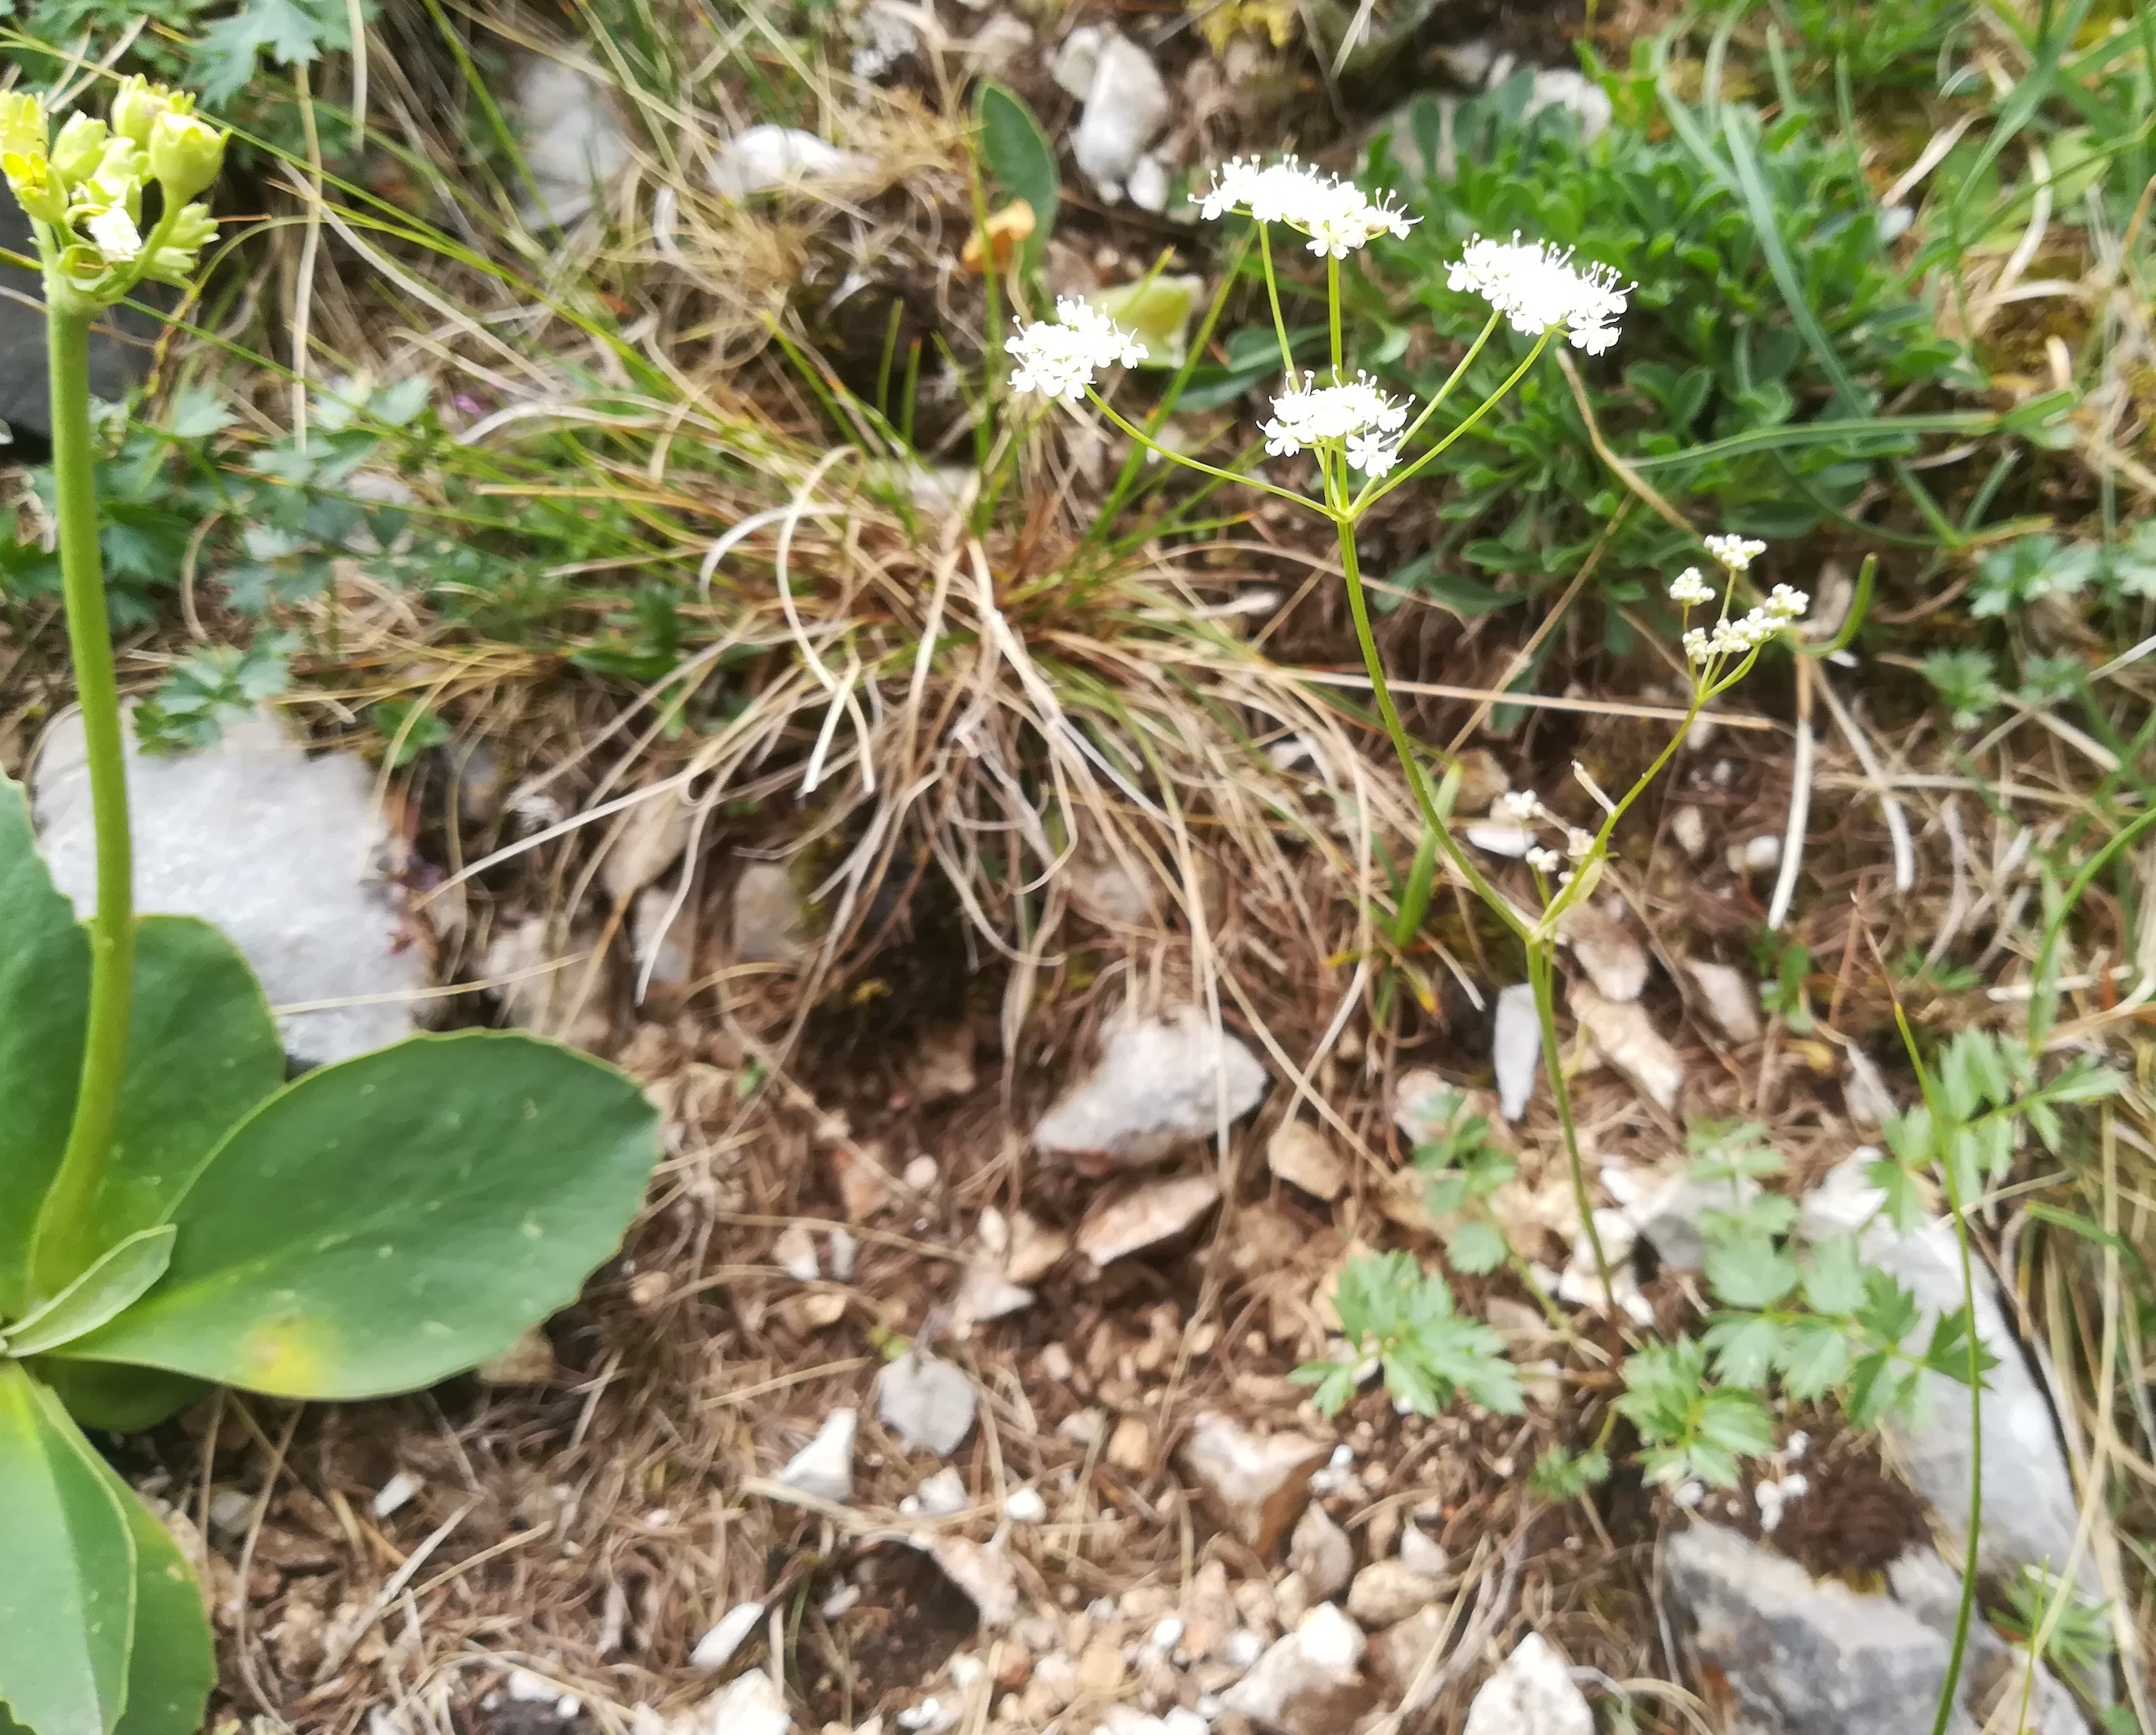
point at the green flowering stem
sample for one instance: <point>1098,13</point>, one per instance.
<point>58,1250</point>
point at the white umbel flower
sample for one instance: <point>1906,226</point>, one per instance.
<point>1734,552</point>
<point>1538,289</point>
<point>1372,454</point>
<point>1690,588</point>
<point>1059,357</point>
<point>1336,215</point>
<point>1311,414</point>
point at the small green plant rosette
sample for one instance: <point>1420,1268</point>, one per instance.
<point>371,1227</point>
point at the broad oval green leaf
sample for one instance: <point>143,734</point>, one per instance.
<point>202,1049</point>
<point>382,1224</point>
<point>67,1570</point>
<point>1019,154</point>
<point>44,997</point>
<point>172,1664</point>
<point>119,1276</point>
<point>113,1398</point>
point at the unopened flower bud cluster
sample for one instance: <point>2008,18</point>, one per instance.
<point>84,187</point>
<point>1523,807</point>
<point>1748,631</point>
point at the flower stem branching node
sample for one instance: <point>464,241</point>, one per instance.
<point>1059,357</point>
<point>1538,289</point>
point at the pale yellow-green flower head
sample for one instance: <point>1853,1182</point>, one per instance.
<point>22,129</point>
<point>138,103</point>
<point>80,149</point>
<point>174,260</point>
<point>30,179</point>
<point>186,154</point>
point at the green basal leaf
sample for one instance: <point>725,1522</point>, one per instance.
<point>1747,1270</point>
<point>113,1398</point>
<point>1018,154</point>
<point>1815,1359</point>
<point>203,1050</point>
<point>1745,1346</point>
<point>44,995</point>
<point>1476,1248</point>
<point>1833,1280</point>
<point>172,1664</point>
<point>116,1281</point>
<point>380,1224</point>
<point>67,1570</point>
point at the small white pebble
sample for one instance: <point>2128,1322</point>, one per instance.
<point>844,1251</point>
<point>1102,1609</point>
<point>395,1494</point>
<point>1800,1442</point>
<point>716,1648</point>
<point>921,1175</point>
<point>568,1707</point>
<point>1689,1494</point>
<point>1166,1633</point>
<point>1245,1648</point>
<point>839,1600</point>
<point>230,1511</point>
<point>660,1517</point>
<point>528,1689</point>
<point>1026,1506</point>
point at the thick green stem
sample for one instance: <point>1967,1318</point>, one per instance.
<point>58,1251</point>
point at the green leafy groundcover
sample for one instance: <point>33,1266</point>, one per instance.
<point>368,1228</point>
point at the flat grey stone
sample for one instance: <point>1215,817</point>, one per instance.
<point>2030,1510</point>
<point>1802,1657</point>
<point>282,851</point>
<point>1161,1083</point>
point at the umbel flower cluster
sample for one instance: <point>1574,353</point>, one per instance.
<point>1059,357</point>
<point>1336,215</point>
<point>84,189</point>
<point>1536,288</point>
<point>1357,417</point>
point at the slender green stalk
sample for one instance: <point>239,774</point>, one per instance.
<point>1272,295</point>
<point>58,1250</point>
<point>1375,491</point>
<point>1542,978</point>
<point>1358,609</point>
<point>1139,434</point>
<point>1332,307</point>
<point>1964,1613</point>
